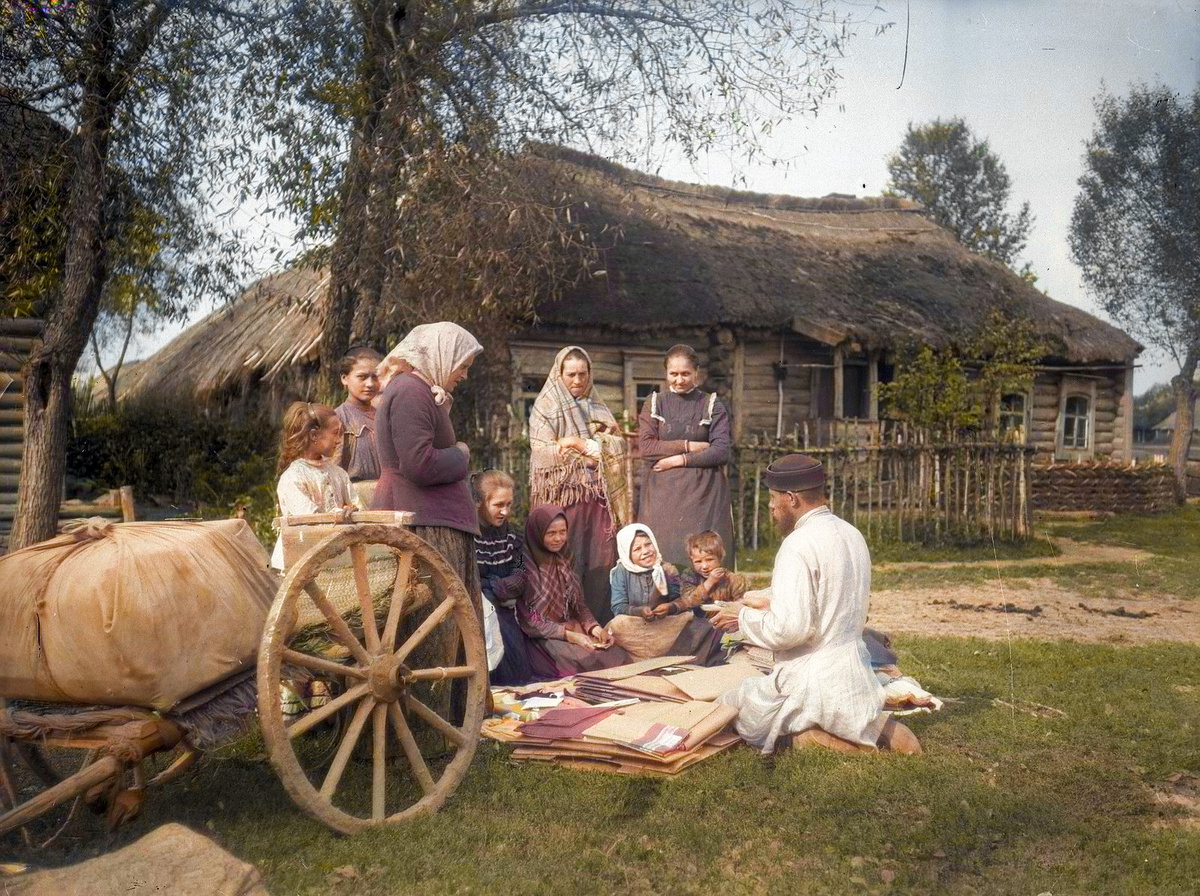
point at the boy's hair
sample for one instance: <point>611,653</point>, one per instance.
<point>301,423</point>
<point>707,541</point>
<point>356,354</point>
<point>487,481</point>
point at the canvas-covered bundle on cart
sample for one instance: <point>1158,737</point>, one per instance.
<point>141,613</point>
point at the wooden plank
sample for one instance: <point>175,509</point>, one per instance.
<point>13,450</point>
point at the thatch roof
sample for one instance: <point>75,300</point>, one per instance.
<point>872,271</point>
<point>263,335</point>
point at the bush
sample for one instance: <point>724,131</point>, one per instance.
<point>178,456</point>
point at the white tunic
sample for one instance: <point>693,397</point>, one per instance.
<point>820,590</point>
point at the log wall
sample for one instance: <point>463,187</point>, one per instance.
<point>1108,392</point>
<point>17,338</point>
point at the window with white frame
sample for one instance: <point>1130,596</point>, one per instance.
<point>1011,417</point>
<point>1076,431</point>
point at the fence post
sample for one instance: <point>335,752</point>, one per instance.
<point>754,523</point>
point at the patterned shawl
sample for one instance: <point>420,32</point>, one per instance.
<point>553,591</point>
<point>566,479</point>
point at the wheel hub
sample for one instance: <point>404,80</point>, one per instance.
<point>388,678</point>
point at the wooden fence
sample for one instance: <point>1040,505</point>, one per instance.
<point>890,480</point>
<point>895,482</point>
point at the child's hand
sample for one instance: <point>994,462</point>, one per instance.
<point>715,576</point>
<point>662,610</point>
<point>603,637</point>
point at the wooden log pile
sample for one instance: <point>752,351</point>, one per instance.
<point>1103,486</point>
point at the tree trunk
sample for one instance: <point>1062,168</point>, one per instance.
<point>1183,385</point>
<point>352,255</point>
<point>51,364</point>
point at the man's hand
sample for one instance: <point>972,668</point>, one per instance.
<point>725,619</point>
<point>758,600</point>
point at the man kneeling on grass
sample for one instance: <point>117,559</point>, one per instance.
<point>822,690</point>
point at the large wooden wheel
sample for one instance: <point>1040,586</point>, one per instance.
<point>409,665</point>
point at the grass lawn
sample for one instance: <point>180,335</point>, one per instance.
<point>1052,790</point>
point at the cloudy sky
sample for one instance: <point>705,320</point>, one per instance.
<point>1022,73</point>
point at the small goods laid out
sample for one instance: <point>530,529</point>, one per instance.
<point>653,717</point>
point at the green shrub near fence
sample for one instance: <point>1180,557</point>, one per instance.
<point>178,458</point>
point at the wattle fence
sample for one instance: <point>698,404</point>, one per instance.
<point>890,480</point>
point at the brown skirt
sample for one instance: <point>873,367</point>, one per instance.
<point>593,543</point>
<point>550,659</point>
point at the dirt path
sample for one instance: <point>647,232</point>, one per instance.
<point>1011,606</point>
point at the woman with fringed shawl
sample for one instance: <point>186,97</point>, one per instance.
<point>424,468</point>
<point>564,637</point>
<point>578,463</point>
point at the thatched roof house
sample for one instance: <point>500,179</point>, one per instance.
<point>260,348</point>
<point>814,294</point>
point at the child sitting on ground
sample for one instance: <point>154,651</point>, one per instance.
<point>357,413</point>
<point>498,550</point>
<point>310,482</point>
<point>647,621</point>
<point>707,581</point>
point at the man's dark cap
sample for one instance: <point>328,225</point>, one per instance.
<point>795,473</point>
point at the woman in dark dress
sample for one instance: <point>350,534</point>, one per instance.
<point>564,637</point>
<point>684,439</point>
<point>424,469</point>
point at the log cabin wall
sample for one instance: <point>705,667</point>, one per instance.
<point>17,337</point>
<point>1058,396</point>
<point>739,365</point>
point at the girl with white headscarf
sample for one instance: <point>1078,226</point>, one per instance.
<point>424,468</point>
<point>642,581</point>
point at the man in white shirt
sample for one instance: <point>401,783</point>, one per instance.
<point>822,689</point>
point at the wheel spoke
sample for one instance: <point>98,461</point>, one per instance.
<point>337,624</point>
<point>399,593</point>
<point>358,559</point>
<point>411,751</point>
<point>435,618</point>
<point>434,721</point>
<point>345,748</point>
<point>441,673</point>
<point>320,664</point>
<point>317,716</point>
<point>379,772</point>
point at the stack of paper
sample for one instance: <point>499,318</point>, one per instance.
<point>645,738</point>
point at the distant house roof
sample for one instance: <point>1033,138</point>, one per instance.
<point>1168,422</point>
<point>874,271</point>
<point>262,334</point>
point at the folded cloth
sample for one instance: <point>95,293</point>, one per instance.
<point>564,722</point>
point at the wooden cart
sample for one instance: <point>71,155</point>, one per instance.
<point>397,673</point>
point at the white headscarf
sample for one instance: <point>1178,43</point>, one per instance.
<point>436,351</point>
<point>625,537</point>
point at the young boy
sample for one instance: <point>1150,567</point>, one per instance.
<point>707,580</point>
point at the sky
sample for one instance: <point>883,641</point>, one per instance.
<point>1022,74</point>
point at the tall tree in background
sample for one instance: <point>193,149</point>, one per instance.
<point>441,95</point>
<point>963,186</point>
<point>136,86</point>
<point>1135,231</point>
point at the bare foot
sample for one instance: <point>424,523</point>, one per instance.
<point>815,737</point>
<point>898,738</point>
